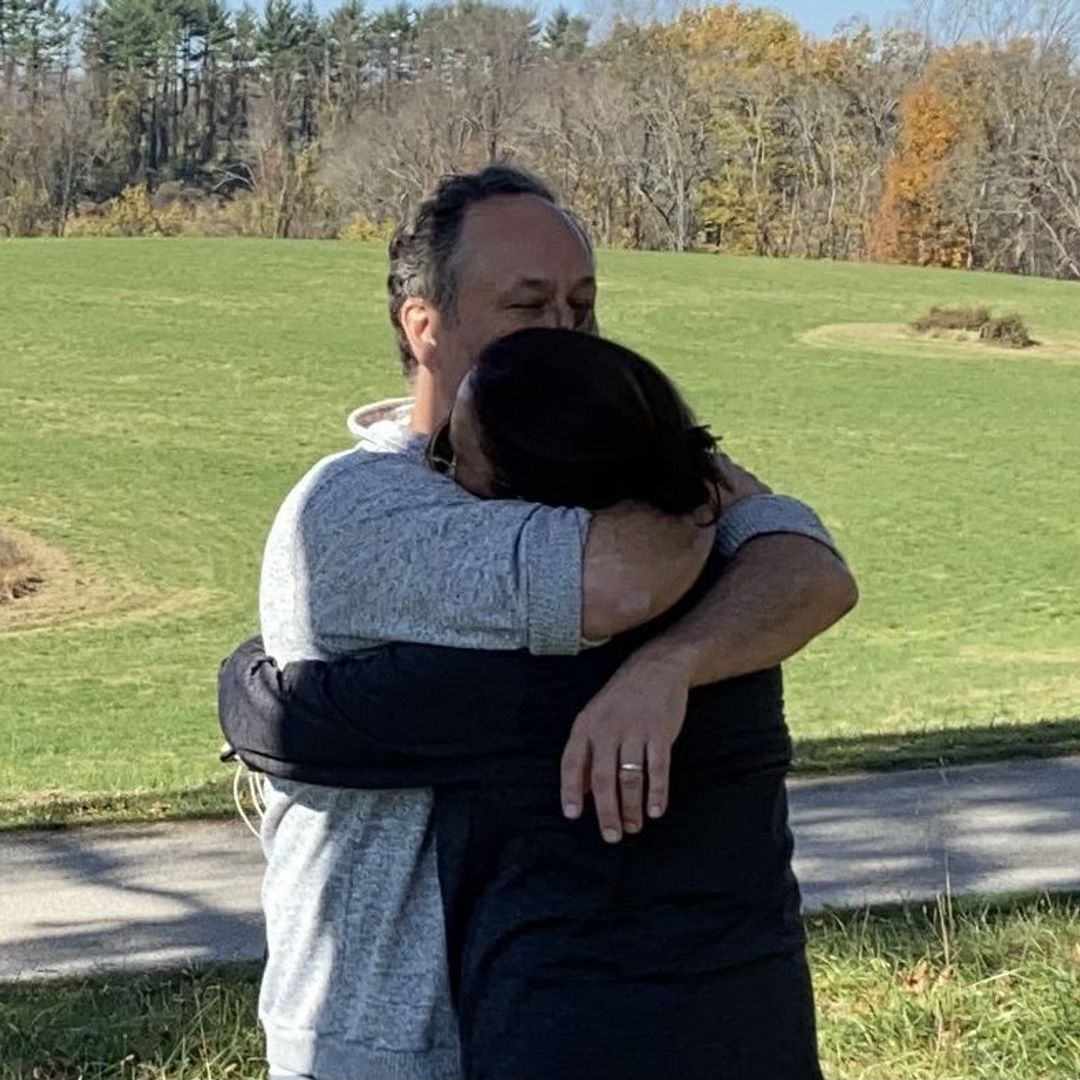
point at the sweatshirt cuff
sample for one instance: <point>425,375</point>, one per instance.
<point>552,566</point>
<point>765,515</point>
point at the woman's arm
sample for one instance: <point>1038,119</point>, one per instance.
<point>402,715</point>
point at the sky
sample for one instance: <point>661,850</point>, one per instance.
<point>821,16</point>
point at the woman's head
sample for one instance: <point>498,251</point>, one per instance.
<point>569,419</point>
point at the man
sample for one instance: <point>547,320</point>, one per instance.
<point>372,547</point>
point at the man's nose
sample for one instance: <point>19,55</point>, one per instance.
<point>563,316</point>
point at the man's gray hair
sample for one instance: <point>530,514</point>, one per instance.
<point>422,248</point>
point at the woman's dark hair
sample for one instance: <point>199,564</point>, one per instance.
<point>569,419</point>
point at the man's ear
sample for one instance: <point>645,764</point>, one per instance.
<point>420,322</point>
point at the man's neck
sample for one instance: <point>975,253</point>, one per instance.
<point>429,408</point>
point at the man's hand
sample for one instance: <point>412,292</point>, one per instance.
<point>780,592</point>
<point>737,483</point>
<point>634,721</point>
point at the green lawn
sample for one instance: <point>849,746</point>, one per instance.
<point>158,398</point>
<point>984,991</point>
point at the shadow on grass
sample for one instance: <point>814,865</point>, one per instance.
<point>813,756</point>
<point>945,746</point>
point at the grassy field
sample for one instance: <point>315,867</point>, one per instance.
<point>979,991</point>
<point>159,398</point>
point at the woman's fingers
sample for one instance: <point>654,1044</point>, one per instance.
<point>631,781</point>
<point>739,482</point>
<point>605,789</point>
<point>575,770</point>
<point>659,765</point>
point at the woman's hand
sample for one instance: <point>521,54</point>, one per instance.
<point>634,721</point>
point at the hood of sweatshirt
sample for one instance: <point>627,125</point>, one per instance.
<point>383,427</point>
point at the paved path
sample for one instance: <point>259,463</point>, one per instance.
<point>143,896</point>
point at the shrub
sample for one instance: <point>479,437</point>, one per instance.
<point>174,220</point>
<point>129,214</point>
<point>1008,330</point>
<point>248,214</point>
<point>966,318</point>
<point>132,214</point>
<point>358,227</point>
<point>88,222</point>
<point>25,211</point>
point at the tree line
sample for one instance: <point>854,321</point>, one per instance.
<point>953,140</point>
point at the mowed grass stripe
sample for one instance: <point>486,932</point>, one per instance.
<point>159,398</point>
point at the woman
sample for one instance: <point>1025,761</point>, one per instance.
<point>569,419</point>
<point>678,953</point>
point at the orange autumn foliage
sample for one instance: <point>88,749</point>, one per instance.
<point>916,222</point>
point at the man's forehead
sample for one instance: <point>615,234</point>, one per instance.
<point>522,238</point>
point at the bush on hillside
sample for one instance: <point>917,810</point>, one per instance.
<point>1007,330</point>
<point>130,214</point>
<point>175,210</point>
<point>964,318</point>
<point>359,227</point>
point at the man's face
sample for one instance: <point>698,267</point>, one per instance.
<point>520,263</point>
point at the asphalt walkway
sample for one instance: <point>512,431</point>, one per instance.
<point>127,897</point>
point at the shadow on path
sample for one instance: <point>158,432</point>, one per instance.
<point>128,896</point>
<point>164,895</point>
<point>1012,827</point>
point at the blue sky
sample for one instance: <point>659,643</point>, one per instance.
<point>817,16</point>
<point>821,16</point>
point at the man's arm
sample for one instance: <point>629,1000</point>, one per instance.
<point>405,555</point>
<point>638,563</point>
<point>416,715</point>
<point>778,594</point>
<point>383,549</point>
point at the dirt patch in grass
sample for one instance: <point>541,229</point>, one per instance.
<point>892,338</point>
<point>41,587</point>
<point>21,575</point>
<point>39,584</point>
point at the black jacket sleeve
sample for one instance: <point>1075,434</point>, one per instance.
<point>402,715</point>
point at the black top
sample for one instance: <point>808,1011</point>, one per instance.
<point>536,904</point>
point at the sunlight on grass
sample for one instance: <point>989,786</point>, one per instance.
<point>971,990</point>
<point>161,398</point>
<point>951,991</point>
